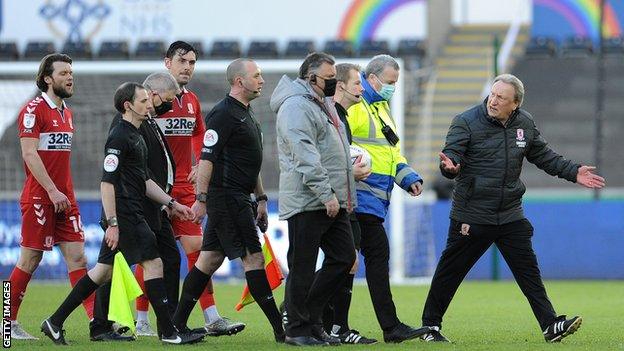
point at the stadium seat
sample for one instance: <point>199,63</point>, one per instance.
<point>8,51</point>
<point>78,50</point>
<point>225,49</point>
<point>541,47</point>
<point>370,48</point>
<point>299,48</point>
<point>613,46</point>
<point>577,46</point>
<point>411,48</point>
<point>262,49</point>
<point>339,48</point>
<point>36,50</point>
<point>150,50</point>
<point>114,50</point>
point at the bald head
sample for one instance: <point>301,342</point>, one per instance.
<point>238,68</point>
<point>162,83</point>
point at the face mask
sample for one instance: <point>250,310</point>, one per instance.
<point>163,108</point>
<point>330,86</point>
<point>387,90</point>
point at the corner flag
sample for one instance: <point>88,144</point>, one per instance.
<point>124,288</point>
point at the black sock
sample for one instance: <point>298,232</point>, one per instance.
<point>194,284</point>
<point>100,323</point>
<point>83,288</point>
<point>157,296</point>
<point>341,301</point>
<point>261,292</point>
<point>328,317</point>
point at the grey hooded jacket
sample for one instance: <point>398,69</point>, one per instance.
<point>313,157</point>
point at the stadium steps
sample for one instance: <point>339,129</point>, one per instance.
<point>463,68</point>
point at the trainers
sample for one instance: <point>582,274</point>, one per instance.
<point>403,332</point>
<point>434,335</point>
<point>354,337</point>
<point>143,328</point>
<point>182,338</point>
<point>112,336</point>
<point>18,333</point>
<point>320,334</point>
<point>224,326</point>
<point>56,334</point>
<point>562,328</point>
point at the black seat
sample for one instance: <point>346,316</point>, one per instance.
<point>79,50</point>
<point>114,50</point>
<point>8,51</point>
<point>299,48</point>
<point>369,48</point>
<point>150,50</point>
<point>199,47</point>
<point>262,49</point>
<point>410,47</point>
<point>613,46</point>
<point>36,50</point>
<point>541,47</point>
<point>339,48</point>
<point>577,46</point>
<point>225,49</point>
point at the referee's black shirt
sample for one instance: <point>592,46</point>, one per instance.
<point>125,166</point>
<point>233,143</point>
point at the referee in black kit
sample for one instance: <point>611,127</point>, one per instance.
<point>125,183</point>
<point>228,172</point>
<point>162,88</point>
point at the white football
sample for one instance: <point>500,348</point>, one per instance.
<point>359,154</point>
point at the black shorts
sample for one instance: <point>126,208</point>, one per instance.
<point>355,230</point>
<point>231,226</point>
<point>137,242</point>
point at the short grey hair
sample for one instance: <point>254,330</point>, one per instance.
<point>313,62</point>
<point>161,82</point>
<point>378,63</point>
<point>236,68</point>
<point>515,83</point>
<point>344,69</point>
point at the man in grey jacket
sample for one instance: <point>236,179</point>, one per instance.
<point>316,193</point>
<point>485,148</point>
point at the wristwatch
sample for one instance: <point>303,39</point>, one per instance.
<point>262,197</point>
<point>170,204</point>
<point>112,221</point>
<point>201,197</point>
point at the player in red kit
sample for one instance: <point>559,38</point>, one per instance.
<point>183,127</point>
<point>49,212</point>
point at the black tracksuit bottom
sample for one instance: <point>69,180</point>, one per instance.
<point>307,293</point>
<point>462,252</point>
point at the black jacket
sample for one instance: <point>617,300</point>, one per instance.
<point>156,165</point>
<point>488,188</point>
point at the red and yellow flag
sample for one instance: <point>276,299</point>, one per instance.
<point>273,272</point>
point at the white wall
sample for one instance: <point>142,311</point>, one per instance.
<point>491,11</point>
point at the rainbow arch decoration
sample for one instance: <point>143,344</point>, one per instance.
<point>363,18</point>
<point>564,18</point>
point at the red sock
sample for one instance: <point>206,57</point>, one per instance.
<point>19,281</point>
<point>207,298</point>
<point>74,277</point>
<point>142,303</point>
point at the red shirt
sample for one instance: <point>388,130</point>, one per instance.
<point>184,129</point>
<point>42,119</point>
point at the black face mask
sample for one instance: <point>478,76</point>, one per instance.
<point>163,108</point>
<point>330,86</point>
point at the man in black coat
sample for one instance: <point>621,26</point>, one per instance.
<point>485,148</point>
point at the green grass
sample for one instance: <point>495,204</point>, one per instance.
<point>483,316</point>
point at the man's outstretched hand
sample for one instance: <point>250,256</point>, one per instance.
<point>447,164</point>
<point>588,179</point>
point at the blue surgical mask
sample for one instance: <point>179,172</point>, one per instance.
<point>387,90</point>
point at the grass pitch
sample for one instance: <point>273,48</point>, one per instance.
<point>483,316</point>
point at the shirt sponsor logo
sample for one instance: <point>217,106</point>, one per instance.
<point>177,126</point>
<point>29,120</point>
<point>55,141</point>
<point>110,163</point>
<point>210,137</point>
